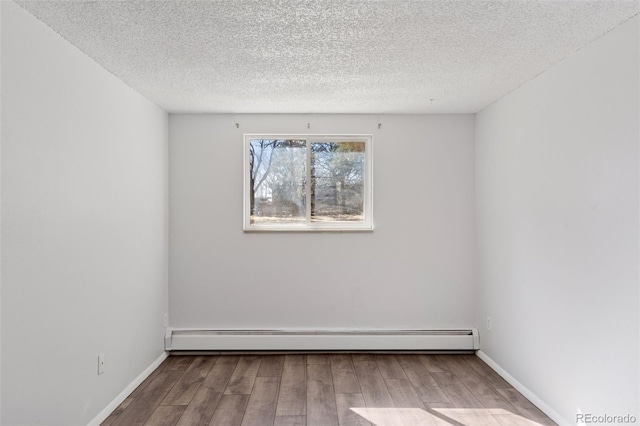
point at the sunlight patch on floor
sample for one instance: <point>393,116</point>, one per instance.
<point>443,416</point>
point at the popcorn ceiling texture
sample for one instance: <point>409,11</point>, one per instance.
<point>358,56</point>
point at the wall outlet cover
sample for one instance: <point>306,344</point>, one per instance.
<point>101,364</point>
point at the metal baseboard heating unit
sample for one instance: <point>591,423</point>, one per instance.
<point>319,340</point>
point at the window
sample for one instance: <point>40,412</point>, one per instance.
<point>307,183</point>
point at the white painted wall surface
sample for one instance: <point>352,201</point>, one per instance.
<point>84,228</point>
<point>415,270</point>
<point>557,217</point>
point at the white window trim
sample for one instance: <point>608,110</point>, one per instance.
<point>367,225</point>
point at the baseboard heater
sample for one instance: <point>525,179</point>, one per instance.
<point>319,340</point>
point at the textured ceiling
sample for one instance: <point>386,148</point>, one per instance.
<point>346,56</point>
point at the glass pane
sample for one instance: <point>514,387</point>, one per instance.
<point>337,181</point>
<point>277,181</point>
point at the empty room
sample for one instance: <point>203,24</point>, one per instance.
<point>288,212</point>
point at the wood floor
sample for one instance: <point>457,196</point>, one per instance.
<point>325,390</point>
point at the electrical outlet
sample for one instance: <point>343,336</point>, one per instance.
<point>166,320</point>
<point>100,364</point>
<point>489,323</point>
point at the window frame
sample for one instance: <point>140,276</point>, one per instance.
<point>308,226</point>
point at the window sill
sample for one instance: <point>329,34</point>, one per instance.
<point>304,229</point>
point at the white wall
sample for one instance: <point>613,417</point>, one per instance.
<point>415,270</point>
<point>557,217</point>
<point>84,228</point>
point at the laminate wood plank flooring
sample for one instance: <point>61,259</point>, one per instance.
<point>290,421</point>
<point>143,406</point>
<point>261,408</point>
<point>406,399</point>
<point>326,390</point>
<point>271,366</point>
<point>490,376</point>
<point>433,364</point>
<point>203,405</point>
<point>377,398</point>
<point>389,367</point>
<point>166,415</point>
<point>244,375</point>
<point>318,359</point>
<point>140,410</point>
<point>114,415</point>
<point>230,411</point>
<point>481,390</point>
<point>347,416</point>
<point>184,390</point>
<point>321,398</point>
<point>524,406</point>
<point>179,362</point>
<point>422,381</point>
<point>456,391</point>
<point>292,400</point>
<point>344,376</point>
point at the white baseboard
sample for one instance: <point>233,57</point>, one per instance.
<point>127,391</point>
<point>544,407</point>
